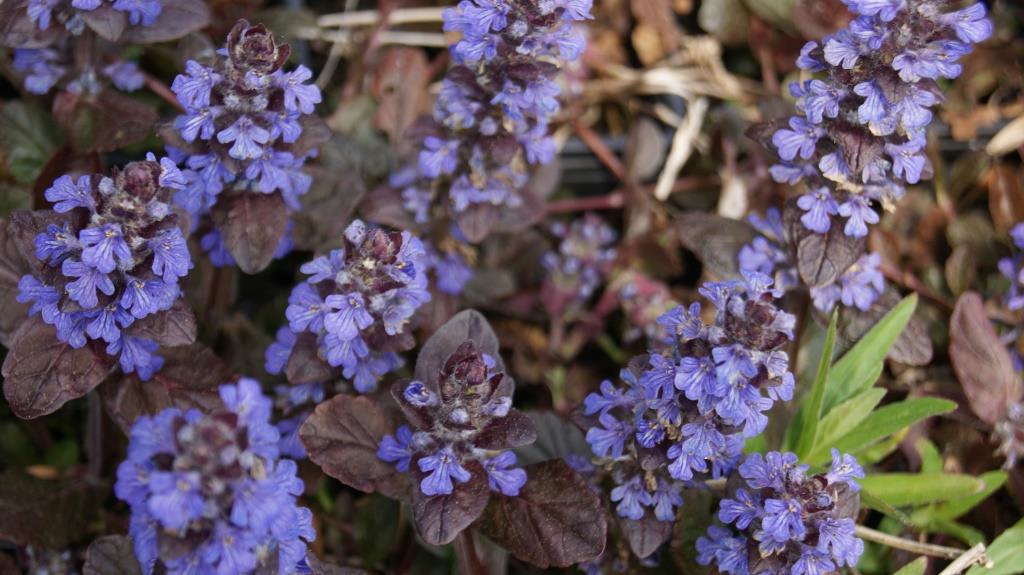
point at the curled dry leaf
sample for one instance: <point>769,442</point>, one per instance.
<point>981,361</point>
<point>342,435</point>
<point>42,373</point>
<point>557,520</point>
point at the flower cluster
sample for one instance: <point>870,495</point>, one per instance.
<point>208,493</point>
<point>244,130</point>
<point>785,520</point>
<point>492,117</point>
<point>44,68</point>
<point>112,255</point>
<point>687,408</point>
<point>461,423</point>
<point>356,304</point>
<point>858,286</point>
<point>581,264</point>
<point>68,13</point>
<point>861,132</point>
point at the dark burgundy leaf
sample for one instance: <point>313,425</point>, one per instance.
<point>189,379</point>
<point>12,268</point>
<point>111,555</point>
<point>715,240</point>
<point>514,430</point>
<point>176,19</point>
<point>8,566</point>
<point>342,435</point>
<point>981,361</point>
<point>50,514</point>
<point>106,22</point>
<point>468,325</point>
<point>42,373</point>
<point>103,123</point>
<point>531,211</point>
<point>476,221</point>
<point>556,439</point>
<point>646,535</point>
<point>400,87</point>
<point>821,258</point>
<point>252,225</point>
<point>23,227</point>
<point>440,518</point>
<point>29,137</point>
<point>556,520</point>
<point>314,133</point>
<point>18,31</point>
<point>173,327</point>
<point>691,525</point>
<point>304,364</point>
<point>383,205</point>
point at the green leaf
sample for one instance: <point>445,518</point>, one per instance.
<point>955,508</point>
<point>29,137</point>
<point>1006,553</point>
<point>812,407</point>
<point>870,501</point>
<point>915,567</point>
<point>902,489</point>
<point>845,417</point>
<point>884,422</point>
<point>856,370</point>
<point>969,535</point>
<point>931,459</point>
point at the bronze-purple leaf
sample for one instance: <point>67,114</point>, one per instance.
<point>556,520</point>
<point>173,327</point>
<point>981,361</point>
<point>514,430</point>
<point>190,378</point>
<point>108,23</point>
<point>304,364</point>
<point>12,267</point>
<point>45,513</point>
<point>468,325</point>
<point>42,373</point>
<point>103,122</point>
<point>820,258</point>
<point>912,347</point>
<point>647,534</point>
<point>715,240</point>
<point>440,518</point>
<point>176,19</point>
<point>476,221</point>
<point>342,436</point>
<point>252,225</point>
<point>323,568</point>
<point>111,555</point>
<point>17,30</point>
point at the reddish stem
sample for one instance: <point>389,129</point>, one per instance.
<point>157,86</point>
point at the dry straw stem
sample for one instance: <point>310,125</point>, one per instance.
<point>961,559</point>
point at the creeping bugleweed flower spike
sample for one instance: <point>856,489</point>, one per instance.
<point>208,492</point>
<point>688,406</point>
<point>862,130</point>
<point>112,259</point>
<point>68,13</point>
<point>785,521</point>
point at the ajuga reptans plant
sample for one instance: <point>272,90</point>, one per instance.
<point>247,130</point>
<point>579,266</point>
<point>208,492</point>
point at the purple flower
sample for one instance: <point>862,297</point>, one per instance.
<point>819,207</point>
<point>397,448</point>
<point>170,255</point>
<point>248,138</point>
<point>632,497</point>
<point>800,139</point>
<point>299,96</point>
<point>306,309</point>
<point>970,24</point>
<point>610,439</point>
<point>350,318</point>
<point>842,49</point>
<point>859,213</point>
<point>443,467</point>
<point>89,279</point>
<point>502,477</point>
<point>908,159</point>
<point>194,87</point>
<point>104,248</point>
<point>67,194</point>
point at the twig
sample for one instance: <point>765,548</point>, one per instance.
<point>908,545</point>
<point>160,89</point>
<point>973,555</point>
<point>909,281</point>
<point>366,18</point>
<point>682,147</point>
<point>465,554</point>
<point>612,201</point>
<point>603,153</point>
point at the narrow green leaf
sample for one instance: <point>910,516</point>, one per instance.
<point>915,567</point>
<point>931,460</point>
<point>852,373</point>
<point>901,489</point>
<point>965,533</point>
<point>871,502</point>
<point>955,508</point>
<point>845,417</point>
<point>878,451</point>
<point>812,408</point>
<point>1006,553</point>
<point>884,422</point>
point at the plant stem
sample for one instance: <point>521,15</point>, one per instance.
<point>465,555</point>
<point>908,545</point>
<point>94,436</point>
<point>973,555</point>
